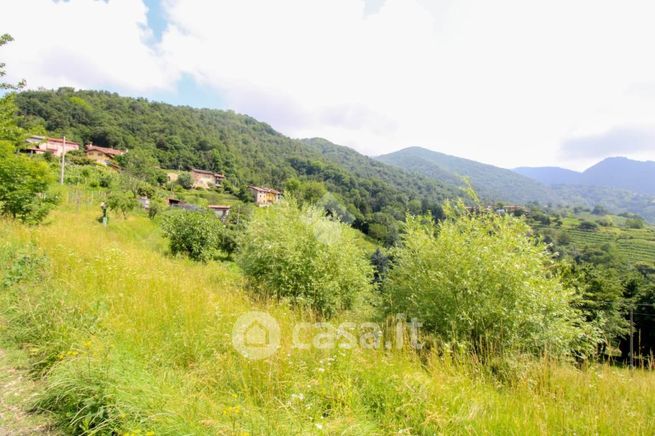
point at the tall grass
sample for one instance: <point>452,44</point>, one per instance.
<point>129,339</point>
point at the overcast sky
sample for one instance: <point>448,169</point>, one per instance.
<point>507,82</point>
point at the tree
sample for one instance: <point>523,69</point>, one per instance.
<point>602,303</point>
<point>121,201</point>
<point>24,182</point>
<point>634,223</point>
<point>588,226</point>
<point>198,234</point>
<point>481,281</point>
<point>24,186</point>
<point>303,257</point>
<point>305,191</point>
<point>185,180</point>
<point>141,164</point>
<point>381,263</point>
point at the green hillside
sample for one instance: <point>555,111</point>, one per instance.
<point>616,200</point>
<point>492,183</point>
<point>245,150</point>
<point>121,331</point>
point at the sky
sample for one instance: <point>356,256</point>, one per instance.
<point>506,82</point>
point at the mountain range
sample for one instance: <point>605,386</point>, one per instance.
<point>618,184</point>
<point>491,183</point>
<point>614,172</point>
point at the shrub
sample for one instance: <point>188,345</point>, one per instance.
<point>301,256</point>
<point>588,225</point>
<point>185,180</point>
<point>24,186</point>
<point>155,208</point>
<point>605,222</point>
<point>481,281</point>
<point>121,201</point>
<point>634,223</point>
<point>198,234</point>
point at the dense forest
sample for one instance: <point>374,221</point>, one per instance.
<point>374,195</point>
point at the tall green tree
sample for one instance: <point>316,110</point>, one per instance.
<point>24,182</point>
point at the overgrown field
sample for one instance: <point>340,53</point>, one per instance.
<point>128,339</point>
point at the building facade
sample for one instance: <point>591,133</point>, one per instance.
<point>56,146</point>
<point>103,155</point>
<point>206,179</point>
<point>265,196</point>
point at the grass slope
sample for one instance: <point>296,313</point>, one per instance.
<point>126,339</point>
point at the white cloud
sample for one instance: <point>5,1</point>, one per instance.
<point>82,43</point>
<point>505,82</point>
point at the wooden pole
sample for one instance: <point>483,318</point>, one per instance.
<point>63,162</point>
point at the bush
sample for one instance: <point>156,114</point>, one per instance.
<point>24,186</point>
<point>605,222</point>
<point>185,180</point>
<point>588,225</point>
<point>198,234</point>
<point>303,257</point>
<point>481,281</point>
<point>121,201</point>
<point>634,223</point>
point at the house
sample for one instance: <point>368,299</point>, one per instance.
<point>221,211</point>
<point>265,196</point>
<point>206,179</point>
<point>56,146</point>
<point>103,155</point>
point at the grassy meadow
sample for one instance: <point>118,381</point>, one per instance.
<point>126,339</point>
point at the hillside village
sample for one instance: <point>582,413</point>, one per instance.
<point>105,156</point>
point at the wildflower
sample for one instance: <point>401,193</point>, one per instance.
<point>319,426</point>
<point>298,397</point>
<point>232,411</point>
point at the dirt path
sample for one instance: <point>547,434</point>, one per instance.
<point>17,392</point>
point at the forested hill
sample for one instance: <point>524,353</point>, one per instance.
<point>246,150</point>
<point>492,183</point>
<point>614,172</point>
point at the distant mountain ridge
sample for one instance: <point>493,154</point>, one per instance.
<point>613,172</point>
<point>618,184</point>
<point>491,183</point>
<point>550,175</point>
